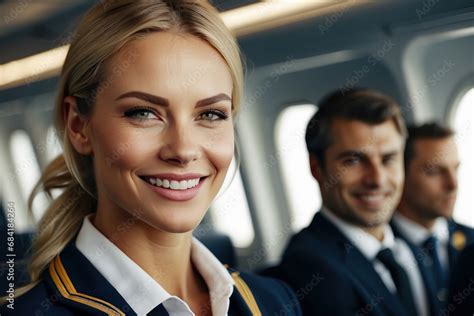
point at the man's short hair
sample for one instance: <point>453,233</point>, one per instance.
<point>359,104</point>
<point>430,130</point>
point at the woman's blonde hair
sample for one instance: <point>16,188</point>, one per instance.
<point>104,30</point>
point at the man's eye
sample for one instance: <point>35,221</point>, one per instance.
<point>352,161</point>
<point>141,113</point>
<point>213,115</point>
<point>389,159</point>
<point>431,171</point>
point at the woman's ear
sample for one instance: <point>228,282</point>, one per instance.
<point>76,126</point>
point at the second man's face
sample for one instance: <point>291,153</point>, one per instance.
<point>431,182</point>
<point>362,178</point>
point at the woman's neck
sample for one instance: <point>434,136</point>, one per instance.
<point>166,257</point>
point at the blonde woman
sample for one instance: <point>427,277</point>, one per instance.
<point>145,111</point>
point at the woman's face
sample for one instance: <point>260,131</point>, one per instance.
<point>161,131</point>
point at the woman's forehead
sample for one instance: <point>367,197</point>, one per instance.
<point>165,60</point>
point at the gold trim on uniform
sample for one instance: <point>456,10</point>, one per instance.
<point>458,240</point>
<point>66,288</point>
<point>246,293</point>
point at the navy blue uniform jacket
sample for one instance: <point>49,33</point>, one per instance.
<point>331,276</point>
<point>72,286</point>
<point>459,237</point>
<point>462,287</point>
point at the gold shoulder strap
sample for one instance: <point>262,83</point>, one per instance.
<point>68,291</point>
<point>246,294</point>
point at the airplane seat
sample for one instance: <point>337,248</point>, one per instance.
<point>221,246</point>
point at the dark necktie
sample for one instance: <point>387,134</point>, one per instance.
<point>158,311</point>
<point>401,280</point>
<point>433,264</point>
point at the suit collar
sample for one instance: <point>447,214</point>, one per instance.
<point>417,234</point>
<point>428,279</point>
<point>324,230</point>
<point>457,242</point>
<point>363,270</point>
<point>367,244</point>
<point>238,306</point>
<point>141,290</point>
<point>76,283</point>
<point>359,269</point>
<point>242,301</point>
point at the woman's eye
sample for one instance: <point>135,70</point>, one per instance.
<point>141,113</point>
<point>214,115</point>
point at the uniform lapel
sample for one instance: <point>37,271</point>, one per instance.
<point>158,311</point>
<point>457,242</point>
<point>76,283</point>
<point>428,279</point>
<point>358,268</point>
<point>238,306</point>
<point>242,300</point>
<point>369,279</point>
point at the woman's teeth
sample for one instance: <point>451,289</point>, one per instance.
<point>173,184</point>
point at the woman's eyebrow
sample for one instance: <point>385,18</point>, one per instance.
<point>164,102</point>
<point>213,99</point>
<point>145,96</point>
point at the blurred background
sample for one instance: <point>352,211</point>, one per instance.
<point>418,52</point>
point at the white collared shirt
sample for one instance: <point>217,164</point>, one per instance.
<point>370,246</point>
<point>139,289</point>
<point>418,234</point>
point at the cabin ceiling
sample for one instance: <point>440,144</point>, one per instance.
<point>31,26</point>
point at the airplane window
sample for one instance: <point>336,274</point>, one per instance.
<point>230,211</point>
<point>463,124</point>
<point>302,189</point>
<point>27,170</point>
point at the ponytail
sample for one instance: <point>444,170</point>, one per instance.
<point>62,219</point>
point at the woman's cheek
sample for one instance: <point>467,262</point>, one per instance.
<point>124,148</point>
<point>221,148</point>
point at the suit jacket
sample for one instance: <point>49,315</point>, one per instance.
<point>459,237</point>
<point>462,286</point>
<point>72,286</point>
<point>331,276</point>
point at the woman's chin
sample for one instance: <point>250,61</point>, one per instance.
<point>176,225</point>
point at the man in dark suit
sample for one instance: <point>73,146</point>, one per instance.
<point>355,143</point>
<point>424,216</point>
<point>462,286</point>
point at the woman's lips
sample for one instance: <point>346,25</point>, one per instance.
<point>178,194</point>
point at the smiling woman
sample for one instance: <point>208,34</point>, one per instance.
<point>174,134</point>
<point>145,110</point>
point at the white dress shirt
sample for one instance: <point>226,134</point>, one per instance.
<point>418,234</point>
<point>370,246</point>
<point>139,289</point>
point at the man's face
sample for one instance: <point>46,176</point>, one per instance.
<point>431,179</point>
<point>362,178</point>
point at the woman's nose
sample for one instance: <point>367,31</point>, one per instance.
<point>181,146</point>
